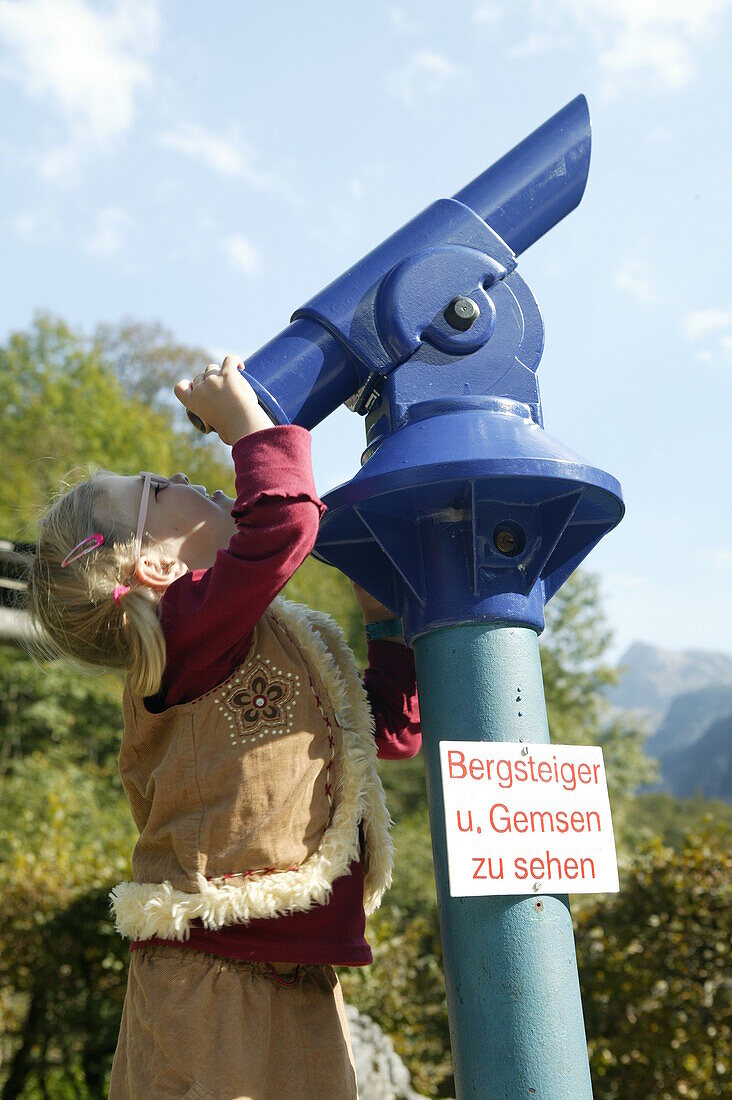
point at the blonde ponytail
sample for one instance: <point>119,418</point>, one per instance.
<point>147,641</point>
<point>74,607</point>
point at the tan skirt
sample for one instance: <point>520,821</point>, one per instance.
<point>199,1027</point>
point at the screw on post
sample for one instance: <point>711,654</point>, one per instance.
<point>465,519</point>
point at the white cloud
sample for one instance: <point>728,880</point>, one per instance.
<point>722,557</point>
<point>531,46</point>
<point>661,136</point>
<point>424,72</point>
<point>650,39</point>
<point>655,42</point>
<point>90,63</point>
<point>28,225</point>
<point>109,233</point>
<point>222,155</point>
<point>718,557</point>
<point>242,253</point>
<point>227,156</point>
<point>487,15</point>
<point>105,234</point>
<point>704,322</point>
<point>400,21</point>
<point>634,278</point>
<point>711,330</point>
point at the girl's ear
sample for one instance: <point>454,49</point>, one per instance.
<point>159,572</point>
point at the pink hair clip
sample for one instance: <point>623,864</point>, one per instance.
<point>91,542</point>
<point>120,591</point>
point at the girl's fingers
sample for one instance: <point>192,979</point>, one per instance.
<point>182,389</point>
<point>185,386</point>
<point>231,363</point>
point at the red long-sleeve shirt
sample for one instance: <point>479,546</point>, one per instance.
<point>208,616</point>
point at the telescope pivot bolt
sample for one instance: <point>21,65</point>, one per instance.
<point>509,539</point>
<point>462,313</point>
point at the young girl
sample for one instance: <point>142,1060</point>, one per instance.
<point>248,757</point>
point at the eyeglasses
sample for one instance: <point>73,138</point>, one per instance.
<point>144,501</point>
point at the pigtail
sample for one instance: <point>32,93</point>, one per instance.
<point>138,611</point>
<point>72,606</point>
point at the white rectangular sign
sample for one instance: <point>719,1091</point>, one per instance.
<point>527,819</point>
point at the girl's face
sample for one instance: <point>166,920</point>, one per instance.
<point>183,521</point>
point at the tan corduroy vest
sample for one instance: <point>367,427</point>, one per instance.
<point>248,800</point>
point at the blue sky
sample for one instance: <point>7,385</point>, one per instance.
<point>213,165</point>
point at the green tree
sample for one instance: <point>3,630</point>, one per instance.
<point>660,814</point>
<point>66,836</point>
<point>64,408</point>
<point>654,965</point>
<point>575,673</point>
<point>326,589</point>
<point>147,360</point>
<point>45,705</point>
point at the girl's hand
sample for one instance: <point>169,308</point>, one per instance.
<point>373,611</point>
<point>222,398</point>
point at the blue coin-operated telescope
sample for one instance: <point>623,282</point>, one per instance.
<point>465,518</point>
<point>464,508</point>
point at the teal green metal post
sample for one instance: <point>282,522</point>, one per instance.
<point>513,993</point>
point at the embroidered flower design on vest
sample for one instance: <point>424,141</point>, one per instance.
<point>258,701</point>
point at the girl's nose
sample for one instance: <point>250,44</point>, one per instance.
<point>180,477</point>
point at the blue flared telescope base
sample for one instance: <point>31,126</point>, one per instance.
<point>469,513</point>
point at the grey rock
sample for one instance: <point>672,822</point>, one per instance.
<point>380,1072</point>
<point>652,676</point>
<point>688,718</point>
<point>704,767</point>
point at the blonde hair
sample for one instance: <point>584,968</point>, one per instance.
<point>74,607</point>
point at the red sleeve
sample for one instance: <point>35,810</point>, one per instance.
<point>391,686</point>
<point>208,615</point>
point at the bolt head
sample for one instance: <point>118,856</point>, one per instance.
<point>461,313</point>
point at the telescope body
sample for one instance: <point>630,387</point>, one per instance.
<point>456,452</point>
<point>465,518</point>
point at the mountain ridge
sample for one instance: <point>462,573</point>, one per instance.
<point>684,698</point>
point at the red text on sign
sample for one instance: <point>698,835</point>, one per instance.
<point>526,770</point>
<point>552,868</point>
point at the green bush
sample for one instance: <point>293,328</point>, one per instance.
<point>654,967</point>
<point>654,970</point>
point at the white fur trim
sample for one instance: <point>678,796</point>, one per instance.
<point>145,909</point>
<point>360,723</point>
